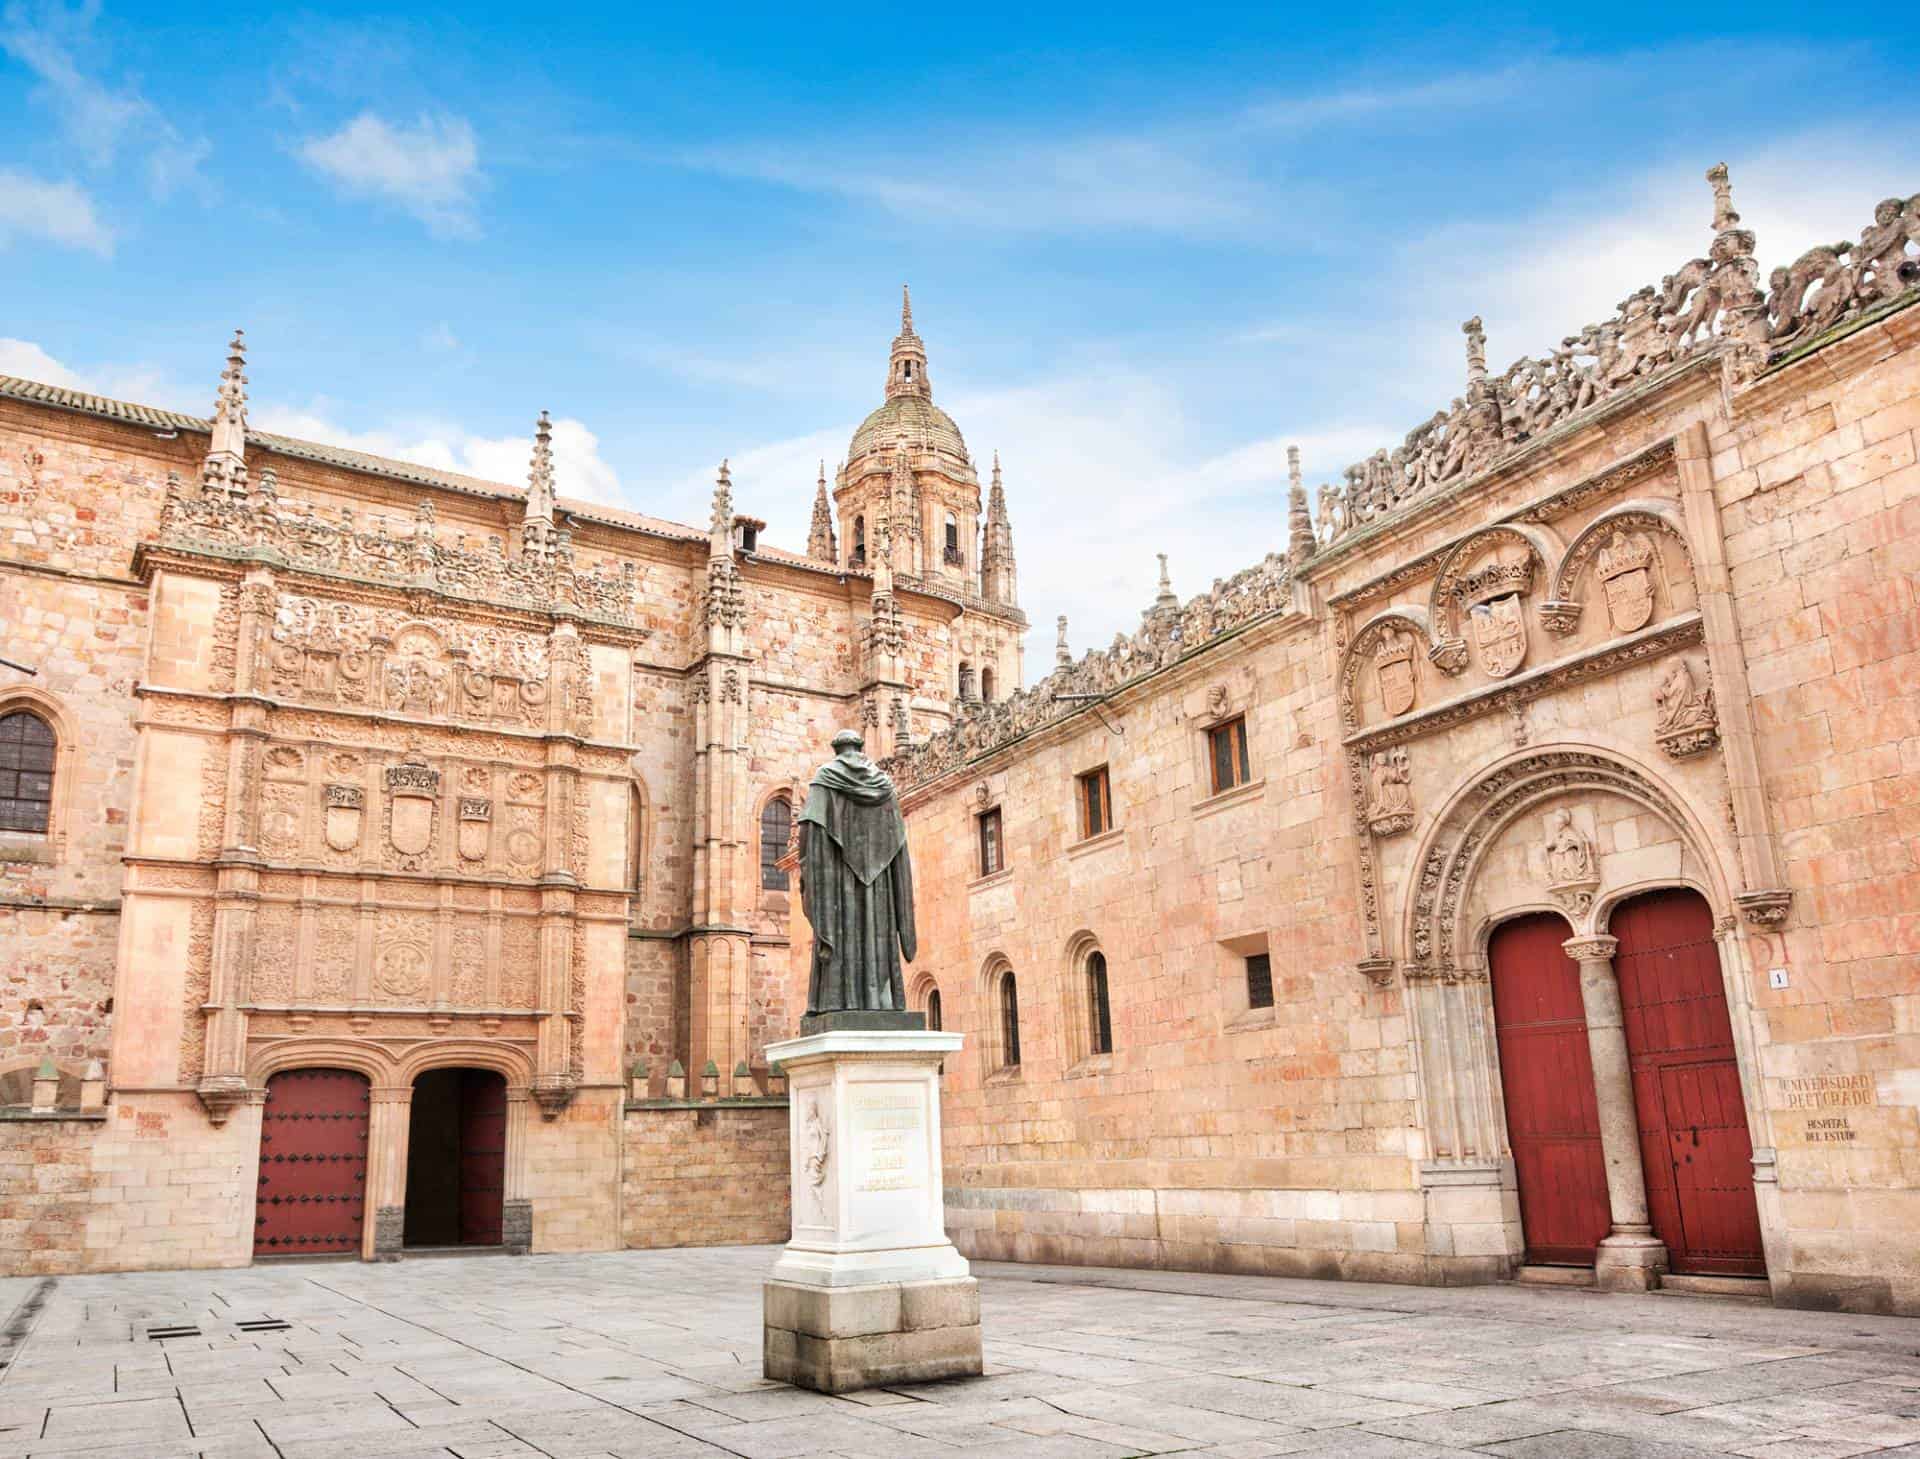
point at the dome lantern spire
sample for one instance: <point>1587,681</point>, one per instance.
<point>907,364</point>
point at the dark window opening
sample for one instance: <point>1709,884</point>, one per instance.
<point>859,542</point>
<point>906,369</point>
<point>1009,1022</point>
<point>986,686</point>
<point>776,826</point>
<point>1228,745</point>
<point>1259,981</point>
<point>993,854</point>
<point>748,537</point>
<point>1096,803</point>
<point>1100,1016</point>
<point>26,773</point>
<point>933,1009</point>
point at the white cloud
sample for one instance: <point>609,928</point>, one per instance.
<point>28,361</point>
<point>59,212</point>
<point>96,117</point>
<point>579,469</point>
<point>428,169</point>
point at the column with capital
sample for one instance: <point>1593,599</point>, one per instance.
<point>1631,1258</point>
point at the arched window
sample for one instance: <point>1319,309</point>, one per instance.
<point>26,773</point>
<point>953,557</point>
<point>1009,1021</point>
<point>986,686</point>
<point>776,824</point>
<point>966,680</point>
<point>1099,1017</point>
<point>933,1009</point>
<point>906,369</point>
<point>859,541</point>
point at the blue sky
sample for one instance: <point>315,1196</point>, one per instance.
<point>1148,247</point>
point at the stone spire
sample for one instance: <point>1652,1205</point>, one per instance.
<point>226,463</point>
<point>1300,542</point>
<point>820,540</point>
<point>907,365</point>
<point>1062,655</point>
<point>536,531</point>
<point>997,575</point>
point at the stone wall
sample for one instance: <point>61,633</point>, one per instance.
<point>705,1176</point>
<point>47,1183</point>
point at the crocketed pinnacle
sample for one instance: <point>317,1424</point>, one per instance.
<point>721,527</point>
<point>1300,540</point>
<point>226,463</point>
<point>821,545</point>
<point>907,361</point>
<point>540,489</point>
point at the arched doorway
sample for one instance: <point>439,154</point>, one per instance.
<point>1546,1076</point>
<point>456,1158</point>
<point>312,1192</point>
<point>1694,1142</point>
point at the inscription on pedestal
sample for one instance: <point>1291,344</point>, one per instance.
<point>889,1139</point>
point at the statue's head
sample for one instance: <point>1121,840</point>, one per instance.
<point>848,740</point>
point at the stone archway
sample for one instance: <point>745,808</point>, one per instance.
<point>1568,830</point>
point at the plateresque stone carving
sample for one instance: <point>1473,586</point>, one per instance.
<point>1573,875</point>
<point>1685,721</point>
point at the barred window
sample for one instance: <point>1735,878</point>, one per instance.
<point>26,773</point>
<point>1009,1021</point>
<point>1099,1016</point>
<point>776,825</point>
<point>1259,981</point>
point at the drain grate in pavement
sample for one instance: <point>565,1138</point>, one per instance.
<point>161,1334</point>
<point>264,1324</point>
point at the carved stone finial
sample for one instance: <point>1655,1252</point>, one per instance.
<point>1165,598</point>
<point>1300,538</point>
<point>1476,350</point>
<point>1724,216</point>
<point>226,463</point>
<point>1062,655</point>
<point>821,543</point>
<point>721,525</point>
<point>907,365</point>
<point>536,531</point>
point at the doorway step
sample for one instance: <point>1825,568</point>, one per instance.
<point>1555,1276</point>
<point>1745,1289</point>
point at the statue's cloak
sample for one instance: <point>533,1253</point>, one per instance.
<point>856,887</point>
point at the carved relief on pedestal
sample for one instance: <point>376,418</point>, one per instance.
<point>1573,871</point>
<point>1685,721</point>
<point>1390,805</point>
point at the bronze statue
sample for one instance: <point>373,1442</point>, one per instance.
<point>856,884</point>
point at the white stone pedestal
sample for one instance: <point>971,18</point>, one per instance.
<point>869,1291</point>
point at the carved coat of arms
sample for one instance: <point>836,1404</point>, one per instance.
<point>1500,631</point>
<point>346,806</point>
<point>1393,668</point>
<point>1625,566</point>
<point>476,826</point>
<point>412,789</point>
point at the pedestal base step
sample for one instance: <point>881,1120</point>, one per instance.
<point>1555,1276</point>
<point>842,1339</point>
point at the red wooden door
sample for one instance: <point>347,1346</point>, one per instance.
<point>1546,1073</point>
<point>483,1156</point>
<point>1686,1086</point>
<point>313,1163</point>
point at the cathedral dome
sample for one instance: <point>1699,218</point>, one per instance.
<point>925,425</point>
<point>909,412</point>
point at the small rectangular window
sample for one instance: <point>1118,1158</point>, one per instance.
<point>1227,744</point>
<point>992,854</point>
<point>1259,981</point>
<point>1096,803</point>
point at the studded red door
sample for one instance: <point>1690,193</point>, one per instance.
<point>313,1163</point>
<point>1686,1085</point>
<point>483,1156</point>
<point>1546,1072</point>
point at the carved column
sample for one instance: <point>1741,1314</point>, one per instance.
<point>389,1123</point>
<point>1631,1257</point>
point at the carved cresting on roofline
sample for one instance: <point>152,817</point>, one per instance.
<point>1710,306</point>
<point>260,527</point>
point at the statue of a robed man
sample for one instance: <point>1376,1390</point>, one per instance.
<point>856,884</point>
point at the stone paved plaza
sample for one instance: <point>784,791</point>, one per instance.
<point>655,1355</point>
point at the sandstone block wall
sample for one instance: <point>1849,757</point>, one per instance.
<point>703,1177</point>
